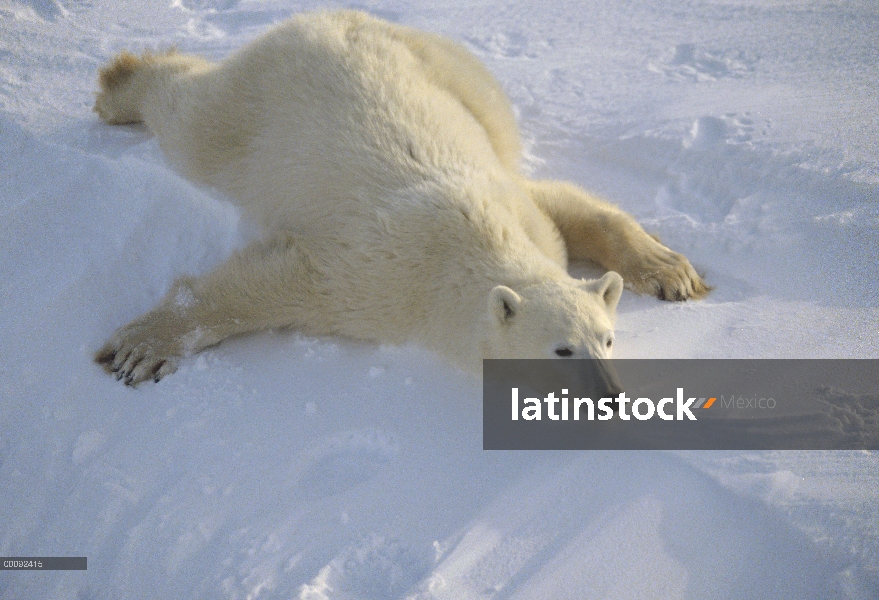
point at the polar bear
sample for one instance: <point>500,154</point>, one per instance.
<point>382,163</point>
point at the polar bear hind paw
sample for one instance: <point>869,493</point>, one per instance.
<point>112,103</point>
<point>125,80</point>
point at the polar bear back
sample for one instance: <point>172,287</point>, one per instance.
<point>326,118</point>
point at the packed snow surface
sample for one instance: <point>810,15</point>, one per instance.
<point>743,132</point>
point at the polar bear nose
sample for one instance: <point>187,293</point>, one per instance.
<point>602,377</point>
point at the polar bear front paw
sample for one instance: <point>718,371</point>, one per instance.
<point>136,353</point>
<point>665,274</point>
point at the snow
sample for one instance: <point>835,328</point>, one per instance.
<point>281,466</point>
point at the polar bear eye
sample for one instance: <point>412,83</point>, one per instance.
<point>564,352</point>
<point>609,342</point>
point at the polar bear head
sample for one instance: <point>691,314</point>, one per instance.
<point>554,319</point>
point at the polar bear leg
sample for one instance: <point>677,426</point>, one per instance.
<point>600,232</point>
<point>266,285</point>
<point>129,82</point>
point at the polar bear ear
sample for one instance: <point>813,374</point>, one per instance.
<point>503,303</point>
<point>609,288</point>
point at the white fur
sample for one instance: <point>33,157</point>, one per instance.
<point>382,163</point>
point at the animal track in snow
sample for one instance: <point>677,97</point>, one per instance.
<point>733,128</point>
<point>205,4</point>
<point>47,10</point>
<point>692,63</point>
<point>509,44</point>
